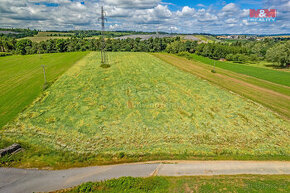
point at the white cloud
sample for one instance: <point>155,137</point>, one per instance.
<point>200,5</point>
<point>231,20</point>
<point>231,7</point>
<point>138,15</point>
<point>113,27</point>
<point>186,11</point>
<point>140,4</point>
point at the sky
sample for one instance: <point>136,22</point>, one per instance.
<point>179,16</point>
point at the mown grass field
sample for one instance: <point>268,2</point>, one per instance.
<point>21,79</point>
<point>209,39</point>
<point>278,77</point>
<point>272,95</point>
<point>43,36</point>
<point>263,64</point>
<point>142,109</point>
<point>240,183</point>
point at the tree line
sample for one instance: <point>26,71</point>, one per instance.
<point>271,50</point>
<point>26,46</point>
<point>17,33</point>
<point>246,51</point>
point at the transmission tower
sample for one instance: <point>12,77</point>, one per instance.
<point>104,59</point>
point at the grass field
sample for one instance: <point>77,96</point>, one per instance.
<point>240,183</point>
<point>21,79</point>
<point>142,109</point>
<point>263,64</point>
<point>274,76</point>
<point>274,96</point>
<point>43,36</point>
<point>206,38</point>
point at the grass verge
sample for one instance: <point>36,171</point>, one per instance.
<point>239,183</point>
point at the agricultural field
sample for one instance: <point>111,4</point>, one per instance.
<point>272,95</point>
<point>141,108</point>
<point>264,64</point>
<point>43,36</point>
<point>278,77</point>
<point>21,79</point>
<point>206,38</point>
<point>241,183</point>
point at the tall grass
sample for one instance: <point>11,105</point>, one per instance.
<point>142,107</point>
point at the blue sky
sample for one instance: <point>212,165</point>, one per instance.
<point>182,16</point>
<point>246,4</point>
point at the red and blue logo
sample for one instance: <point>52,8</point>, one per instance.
<point>263,15</point>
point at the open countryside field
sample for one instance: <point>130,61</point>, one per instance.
<point>263,64</point>
<point>43,36</point>
<point>140,109</point>
<point>274,96</point>
<point>241,183</point>
<point>206,38</point>
<point>278,77</point>
<point>21,79</point>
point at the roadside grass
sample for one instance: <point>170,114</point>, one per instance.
<point>269,94</point>
<point>275,76</point>
<point>238,183</point>
<point>21,79</point>
<point>141,108</point>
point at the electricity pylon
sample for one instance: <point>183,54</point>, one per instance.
<point>104,59</point>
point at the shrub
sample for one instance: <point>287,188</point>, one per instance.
<point>184,54</point>
<point>176,47</point>
<point>2,54</point>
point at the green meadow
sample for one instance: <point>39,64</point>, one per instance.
<point>240,183</point>
<point>141,108</point>
<point>21,79</point>
<point>275,76</point>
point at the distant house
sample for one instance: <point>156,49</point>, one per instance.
<point>222,60</point>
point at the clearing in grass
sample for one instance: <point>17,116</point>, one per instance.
<point>142,108</point>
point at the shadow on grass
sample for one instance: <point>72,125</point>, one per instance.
<point>277,67</point>
<point>105,65</point>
